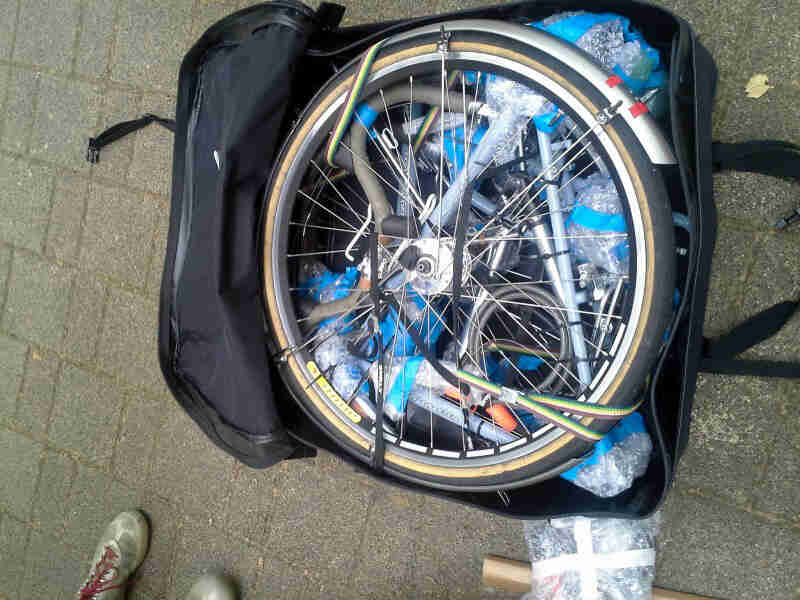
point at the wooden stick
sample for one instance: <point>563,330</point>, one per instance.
<point>515,576</point>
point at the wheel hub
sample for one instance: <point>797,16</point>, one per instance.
<point>433,271</point>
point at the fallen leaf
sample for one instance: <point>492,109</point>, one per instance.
<point>757,86</point>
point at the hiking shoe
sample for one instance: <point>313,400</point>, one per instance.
<point>119,553</point>
<point>212,587</point>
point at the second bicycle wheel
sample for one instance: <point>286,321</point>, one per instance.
<point>477,237</point>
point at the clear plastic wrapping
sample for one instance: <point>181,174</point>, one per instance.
<point>596,224</point>
<point>585,549</point>
<point>614,471</point>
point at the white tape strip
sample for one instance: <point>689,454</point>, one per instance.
<point>583,544</point>
<point>574,562</point>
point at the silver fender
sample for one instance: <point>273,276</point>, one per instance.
<point>644,126</point>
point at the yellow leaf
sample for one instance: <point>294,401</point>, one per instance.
<point>757,86</point>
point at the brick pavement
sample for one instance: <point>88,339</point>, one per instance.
<point>87,427</point>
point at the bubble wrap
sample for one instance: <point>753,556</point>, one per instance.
<point>348,374</point>
<point>558,537</point>
<point>504,95</point>
<point>426,376</point>
<point>614,471</point>
<point>332,349</point>
<point>602,248</point>
<point>634,61</point>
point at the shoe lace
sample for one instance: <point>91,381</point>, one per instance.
<point>101,576</point>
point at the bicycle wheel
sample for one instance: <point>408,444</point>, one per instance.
<point>479,238</point>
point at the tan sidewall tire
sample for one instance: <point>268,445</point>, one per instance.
<point>435,474</point>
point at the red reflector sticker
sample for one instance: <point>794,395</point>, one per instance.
<point>613,81</point>
<point>638,108</point>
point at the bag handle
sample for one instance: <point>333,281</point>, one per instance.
<point>780,159</point>
<point>122,129</point>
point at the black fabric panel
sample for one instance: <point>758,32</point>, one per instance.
<point>657,24</point>
<point>704,78</point>
<point>221,347</point>
<point>212,343</point>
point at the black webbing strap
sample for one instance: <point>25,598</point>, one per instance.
<point>719,353</point>
<point>770,157</point>
<point>780,159</point>
<point>374,292</point>
<point>458,265</point>
<point>122,129</point>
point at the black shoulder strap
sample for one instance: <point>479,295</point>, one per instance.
<point>770,157</point>
<point>122,129</point>
<point>719,353</point>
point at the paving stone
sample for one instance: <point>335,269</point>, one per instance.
<point>26,202</point>
<point>718,551</point>
<point>451,541</point>
<point>115,159</point>
<point>5,266</point>
<point>8,20</point>
<point>66,218</point>
<point>140,419</point>
<point>5,93</point>
<point>18,472</point>
<point>754,199</point>
<point>121,498</point>
<point>280,579</point>
<point>119,227</point>
<point>779,491</point>
<point>36,398</point>
<point>384,565</point>
<point>165,523</point>
<point>65,111</point>
<point>86,511</point>
<point>775,276</point>
<point>12,368</point>
<point>731,438</point>
<point>188,469</point>
<point>250,503</point>
<point>13,539</point>
<point>38,299</point>
<point>137,592</point>
<point>96,37</point>
<point>201,549</point>
<point>128,342</point>
<point>772,47</point>
<point>733,254</point>
<point>52,569</point>
<point>49,28</point>
<point>314,520</point>
<point>208,12</point>
<point>85,317</point>
<point>159,249</point>
<point>52,495</point>
<point>23,87</point>
<point>86,414</point>
<point>151,167</point>
<point>152,39</point>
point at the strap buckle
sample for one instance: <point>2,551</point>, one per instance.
<point>788,220</point>
<point>93,151</point>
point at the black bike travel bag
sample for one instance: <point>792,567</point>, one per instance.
<point>241,87</point>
